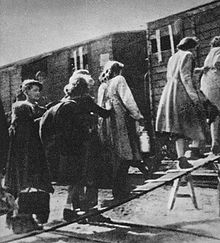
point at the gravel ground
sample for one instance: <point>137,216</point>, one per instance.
<point>151,209</point>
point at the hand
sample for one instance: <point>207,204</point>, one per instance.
<point>11,130</point>
<point>211,111</point>
<point>140,126</point>
<point>139,129</point>
<point>100,121</point>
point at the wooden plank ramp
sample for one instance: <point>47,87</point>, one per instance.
<point>172,175</point>
<point>176,176</point>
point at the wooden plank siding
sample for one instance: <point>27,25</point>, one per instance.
<point>10,82</point>
<point>56,66</point>
<point>130,50</point>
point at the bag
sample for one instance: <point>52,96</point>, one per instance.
<point>7,202</point>
<point>211,111</point>
<point>23,223</point>
<point>34,201</point>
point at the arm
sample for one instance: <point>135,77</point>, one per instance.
<point>91,106</point>
<point>186,77</point>
<point>21,112</point>
<point>128,100</point>
<point>100,111</point>
<point>101,91</point>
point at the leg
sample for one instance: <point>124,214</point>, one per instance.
<point>120,181</point>
<point>91,199</point>
<point>215,135</point>
<point>72,201</point>
<point>194,153</point>
<point>180,149</point>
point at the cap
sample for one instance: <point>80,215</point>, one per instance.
<point>31,82</point>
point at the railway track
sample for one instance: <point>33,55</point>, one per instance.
<point>137,193</point>
<point>116,231</point>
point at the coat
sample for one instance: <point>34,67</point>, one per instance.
<point>119,131</point>
<point>26,165</point>
<point>178,110</point>
<point>210,81</point>
<point>74,124</point>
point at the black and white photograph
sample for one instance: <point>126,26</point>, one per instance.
<point>110,121</point>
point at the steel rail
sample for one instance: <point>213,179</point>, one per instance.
<point>114,223</point>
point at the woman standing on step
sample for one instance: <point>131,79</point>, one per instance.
<point>180,104</point>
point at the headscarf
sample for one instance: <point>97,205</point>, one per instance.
<point>109,67</point>
<point>187,43</point>
<point>29,82</point>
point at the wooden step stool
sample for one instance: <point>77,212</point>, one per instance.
<point>174,191</point>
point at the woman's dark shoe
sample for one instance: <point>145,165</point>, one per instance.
<point>69,215</point>
<point>183,163</point>
<point>42,218</point>
<point>194,154</point>
<point>215,149</point>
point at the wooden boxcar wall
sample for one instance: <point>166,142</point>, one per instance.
<point>203,22</point>
<point>130,49</point>
<point>59,65</point>
<point>56,67</point>
<point>96,49</point>
<point>55,70</point>
<point>10,80</point>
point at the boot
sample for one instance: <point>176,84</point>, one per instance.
<point>194,154</point>
<point>69,215</point>
<point>143,169</point>
<point>215,149</point>
<point>98,218</point>
<point>183,163</point>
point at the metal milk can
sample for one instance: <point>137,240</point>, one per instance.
<point>144,142</point>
